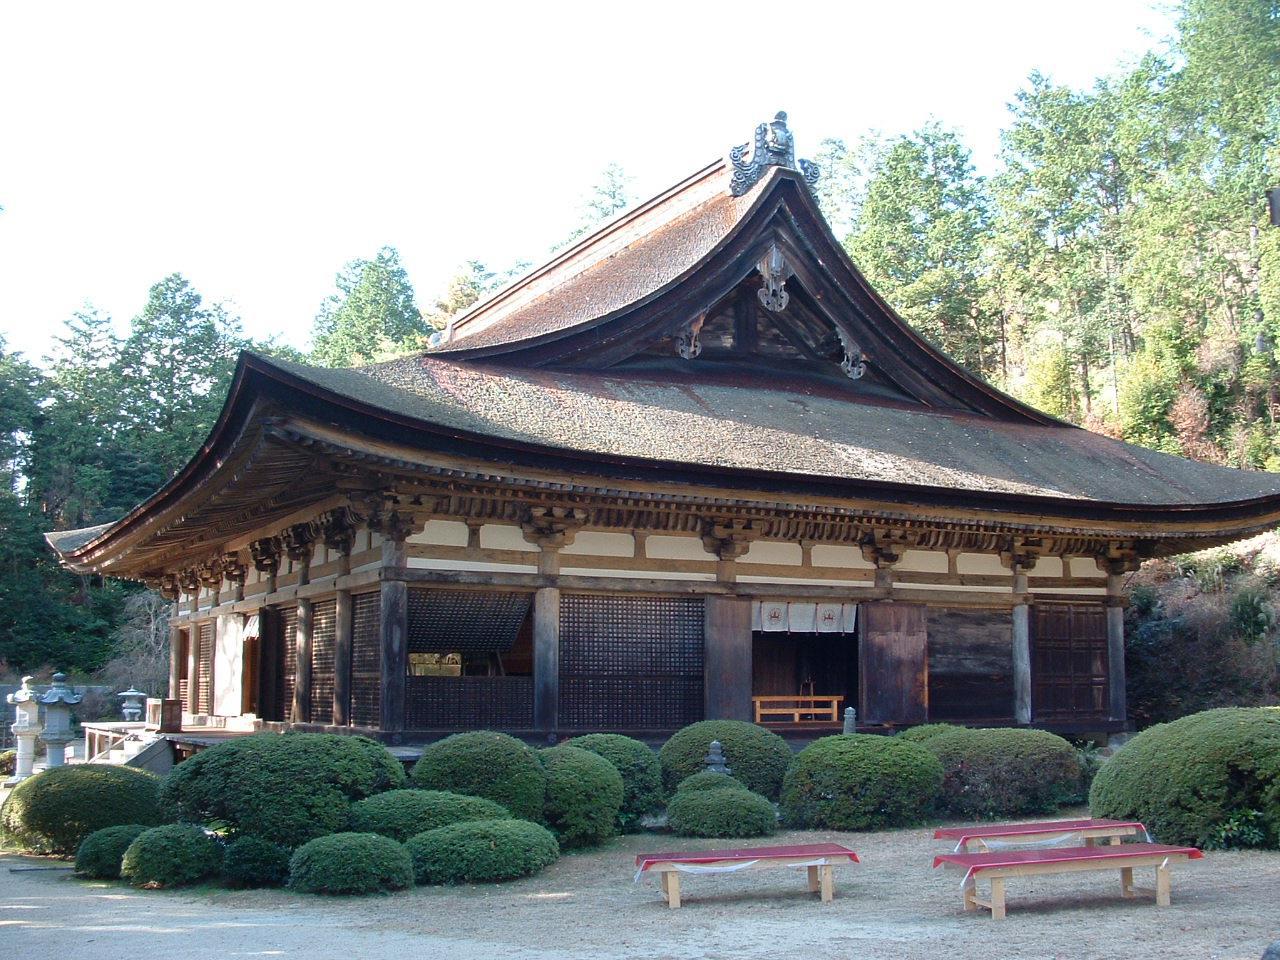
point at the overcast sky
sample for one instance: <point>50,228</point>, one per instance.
<point>256,147</point>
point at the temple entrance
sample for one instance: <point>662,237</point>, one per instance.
<point>804,662</point>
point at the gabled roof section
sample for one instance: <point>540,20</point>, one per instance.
<point>666,264</point>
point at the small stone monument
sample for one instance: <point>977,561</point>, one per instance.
<point>850,720</point>
<point>714,759</point>
<point>131,704</point>
<point>26,730</point>
<point>58,701</point>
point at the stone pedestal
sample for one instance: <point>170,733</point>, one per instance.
<point>26,730</point>
<point>57,701</point>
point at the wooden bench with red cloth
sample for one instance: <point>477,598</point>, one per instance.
<point>999,865</point>
<point>819,858</point>
<point>1046,832</point>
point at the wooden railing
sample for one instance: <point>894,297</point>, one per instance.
<point>797,708</point>
<point>101,738</point>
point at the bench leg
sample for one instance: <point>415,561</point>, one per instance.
<point>1126,881</point>
<point>997,898</point>
<point>1162,886</point>
<point>813,879</point>
<point>828,883</point>
<point>970,897</point>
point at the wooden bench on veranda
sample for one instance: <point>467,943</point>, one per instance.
<point>797,707</point>
<point>819,858</point>
<point>997,862</point>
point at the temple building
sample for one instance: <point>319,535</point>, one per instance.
<point>692,467</point>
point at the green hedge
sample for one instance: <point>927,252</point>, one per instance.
<point>584,796</point>
<point>286,788</point>
<point>171,856</point>
<point>53,811</point>
<point>350,863</point>
<point>250,861</point>
<point>709,780</point>
<point>483,851</point>
<point>926,731</point>
<point>640,770</point>
<point>724,812</point>
<point>1005,773</point>
<point>754,755</point>
<point>860,782</point>
<point>100,854</point>
<point>401,814</point>
<point>486,764</point>
<point>1209,779</point>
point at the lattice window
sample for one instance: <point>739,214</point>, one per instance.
<point>288,659</point>
<point>366,660</point>
<point>465,621</point>
<point>630,662</point>
<point>204,668</point>
<point>323,635</point>
<point>1069,668</point>
<point>451,703</point>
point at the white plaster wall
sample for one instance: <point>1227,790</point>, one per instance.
<point>802,582</point>
<point>1048,567</point>
<point>494,536</point>
<point>635,574</point>
<point>774,551</point>
<point>445,533</point>
<point>922,561</point>
<point>849,558</point>
<point>599,544</point>
<point>228,664</point>
<point>428,563</point>
<point>676,548</point>
<point>981,563</point>
<point>1081,591</point>
<point>1085,567</point>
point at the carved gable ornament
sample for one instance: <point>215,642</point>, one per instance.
<point>773,146</point>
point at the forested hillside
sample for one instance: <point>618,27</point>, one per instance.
<point>1117,271</point>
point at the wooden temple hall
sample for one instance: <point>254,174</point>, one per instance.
<point>692,467</point>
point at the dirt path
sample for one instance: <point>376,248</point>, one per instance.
<point>893,907</point>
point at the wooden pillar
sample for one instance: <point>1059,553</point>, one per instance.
<point>546,659</point>
<point>342,634</point>
<point>1115,648</point>
<point>393,627</point>
<point>193,663</point>
<point>175,658</point>
<point>1021,647</point>
<point>727,658</point>
<point>299,542</point>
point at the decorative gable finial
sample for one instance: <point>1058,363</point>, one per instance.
<point>774,146</point>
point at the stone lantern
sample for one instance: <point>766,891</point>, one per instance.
<point>58,701</point>
<point>131,704</point>
<point>26,729</point>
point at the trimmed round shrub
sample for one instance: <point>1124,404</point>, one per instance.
<point>350,863</point>
<point>56,809</point>
<point>483,851</point>
<point>401,814</point>
<point>640,770</point>
<point>724,812</point>
<point>1004,773</point>
<point>486,764</point>
<point>100,854</point>
<point>1209,779</point>
<point>927,731</point>
<point>709,780</point>
<point>584,796</point>
<point>250,861</point>
<point>860,782</point>
<point>754,755</point>
<point>171,856</point>
<point>286,788</point>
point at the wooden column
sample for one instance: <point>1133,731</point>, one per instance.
<point>299,542</point>
<point>393,625</point>
<point>1021,646</point>
<point>191,585</point>
<point>550,528</point>
<point>1119,709</point>
<point>339,529</point>
<point>727,658</point>
<point>175,658</point>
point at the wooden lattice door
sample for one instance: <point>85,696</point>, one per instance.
<point>1069,666</point>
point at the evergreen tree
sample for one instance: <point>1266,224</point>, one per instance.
<point>373,313</point>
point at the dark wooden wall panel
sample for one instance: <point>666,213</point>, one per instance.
<point>366,660</point>
<point>894,663</point>
<point>727,659</point>
<point>323,634</point>
<point>970,664</point>
<point>1069,678</point>
<point>468,703</point>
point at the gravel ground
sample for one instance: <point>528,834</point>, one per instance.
<point>892,907</point>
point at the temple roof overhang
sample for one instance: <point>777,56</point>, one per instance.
<point>712,352</point>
